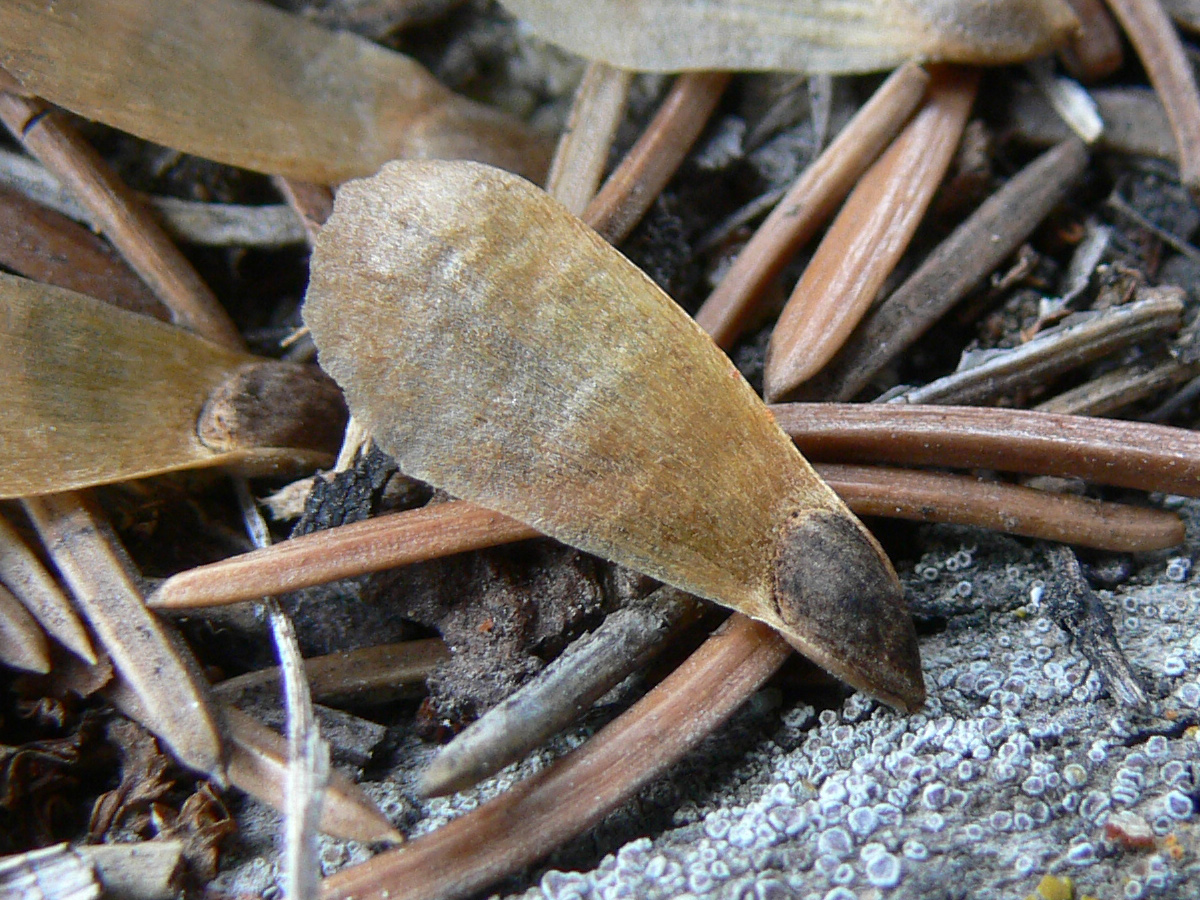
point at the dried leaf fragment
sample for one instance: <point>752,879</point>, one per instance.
<point>482,335</point>
<point>799,35</point>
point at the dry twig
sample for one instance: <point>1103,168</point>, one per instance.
<point>561,692</point>
<point>258,764</point>
<point>1081,338</point>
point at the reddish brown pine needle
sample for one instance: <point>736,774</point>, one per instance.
<point>868,236</point>
<point>323,556</point>
<point>810,201</point>
<point>1106,451</point>
<point>633,186</point>
<point>937,497</point>
<point>1158,45</point>
<point>523,824</point>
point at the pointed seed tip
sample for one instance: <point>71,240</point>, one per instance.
<point>843,607</point>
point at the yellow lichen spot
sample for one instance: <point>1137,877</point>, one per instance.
<point>1052,887</point>
<point>1173,847</point>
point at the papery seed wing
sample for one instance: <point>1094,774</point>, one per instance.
<point>798,35</point>
<point>499,349</point>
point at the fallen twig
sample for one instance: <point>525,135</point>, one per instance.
<point>1120,388</point>
<point>1082,338</point>
<point>561,692</point>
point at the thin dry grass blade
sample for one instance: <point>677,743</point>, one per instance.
<point>809,202</point>
<point>246,84</point>
<point>963,500</point>
<point>258,762</point>
<point>106,588</point>
<point>634,185</point>
<point>868,236</point>
<point>798,36</point>
<point>324,556</point>
<point>525,823</point>
<point>23,574</point>
<point>1161,52</point>
<point>1103,451</point>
